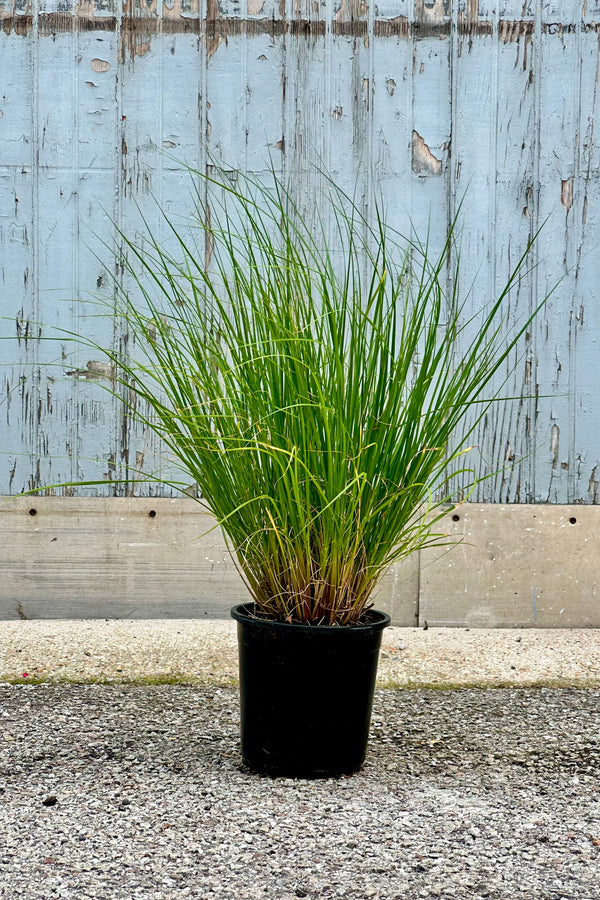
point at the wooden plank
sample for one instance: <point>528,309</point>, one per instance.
<point>226,99</point>
<point>306,68</point>
<point>17,236</point>
<point>19,307</point>
<point>559,102</point>
<point>471,201</point>
<point>492,159</point>
<point>431,134</point>
<point>586,253</point>
<point>393,125</point>
<point>142,190</point>
<point>265,136</point>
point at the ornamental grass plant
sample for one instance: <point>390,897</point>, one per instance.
<point>308,379</point>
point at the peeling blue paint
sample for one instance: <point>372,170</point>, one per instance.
<point>431,101</point>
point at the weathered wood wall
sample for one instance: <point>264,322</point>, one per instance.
<point>428,98</point>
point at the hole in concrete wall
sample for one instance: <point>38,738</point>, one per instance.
<point>573,520</point>
<point>33,512</point>
<point>456,517</point>
<point>152,513</point>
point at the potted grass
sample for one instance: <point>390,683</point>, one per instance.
<point>306,378</point>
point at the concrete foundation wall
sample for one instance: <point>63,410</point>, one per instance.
<point>513,566</point>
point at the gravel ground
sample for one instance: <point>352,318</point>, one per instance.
<point>127,791</point>
<point>117,785</point>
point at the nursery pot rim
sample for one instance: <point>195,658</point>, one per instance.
<point>244,613</point>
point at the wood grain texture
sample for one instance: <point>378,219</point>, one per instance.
<point>433,102</point>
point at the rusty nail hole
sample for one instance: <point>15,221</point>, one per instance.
<point>456,517</point>
<point>573,520</point>
<point>33,512</point>
<point>152,513</point>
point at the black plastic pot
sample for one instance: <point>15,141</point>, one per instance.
<point>306,694</point>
